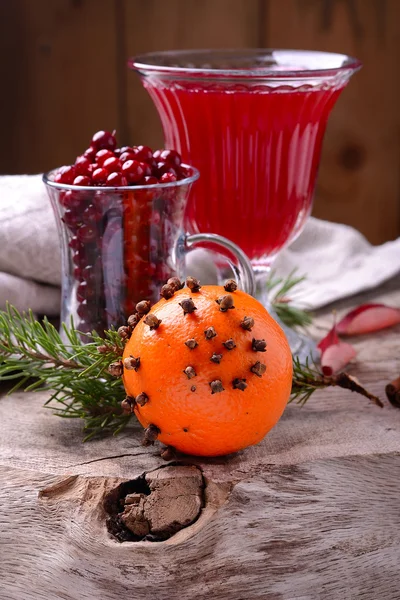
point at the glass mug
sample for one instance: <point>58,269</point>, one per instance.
<point>120,245</point>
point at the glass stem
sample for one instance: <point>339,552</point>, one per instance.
<point>300,345</point>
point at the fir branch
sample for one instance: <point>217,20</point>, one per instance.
<point>36,357</point>
<point>307,379</point>
<point>290,315</point>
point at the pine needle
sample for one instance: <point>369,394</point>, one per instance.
<point>34,355</point>
<point>290,315</point>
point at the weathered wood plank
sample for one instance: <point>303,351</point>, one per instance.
<point>359,166</point>
<point>311,513</point>
<point>325,529</point>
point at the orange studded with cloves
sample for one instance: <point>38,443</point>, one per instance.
<point>214,375</point>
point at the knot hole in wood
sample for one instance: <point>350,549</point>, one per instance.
<point>155,505</point>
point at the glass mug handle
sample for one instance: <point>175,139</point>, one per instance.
<point>237,259</point>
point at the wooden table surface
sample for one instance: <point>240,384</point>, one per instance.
<point>313,512</point>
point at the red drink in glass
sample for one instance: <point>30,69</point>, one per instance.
<point>258,153</point>
<point>252,122</point>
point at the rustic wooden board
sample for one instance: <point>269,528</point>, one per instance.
<point>310,513</point>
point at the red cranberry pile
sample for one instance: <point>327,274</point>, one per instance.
<point>119,241</point>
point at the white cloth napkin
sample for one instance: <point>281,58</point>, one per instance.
<point>337,260</point>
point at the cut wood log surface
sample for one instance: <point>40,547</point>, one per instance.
<point>312,512</point>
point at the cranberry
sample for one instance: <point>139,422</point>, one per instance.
<point>161,168</point>
<point>168,178</point>
<point>144,154</point>
<point>165,168</point>
<point>78,273</point>
<point>127,149</point>
<point>128,155</point>
<point>86,234</point>
<point>85,291</point>
<point>112,164</point>
<point>83,180</point>
<point>149,180</point>
<point>91,215</point>
<point>103,201</point>
<point>104,139</point>
<point>71,219</point>
<point>71,200</point>
<point>65,175</point>
<point>92,168</point>
<point>90,153</point>
<point>84,310</point>
<point>102,155</point>
<point>74,243</point>
<point>146,169</point>
<point>132,170</point>
<point>79,258</point>
<point>171,157</point>
<point>89,274</point>
<point>182,172</point>
<point>117,180</point>
<point>117,152</point>
<point>82,165</point>
<point>157,155</point>
<point>99,175</point>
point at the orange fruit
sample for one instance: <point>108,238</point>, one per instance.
<point>208,394</point>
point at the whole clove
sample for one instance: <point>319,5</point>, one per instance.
<point>216,386</point>
<point>258,345</point>
<point>124,332</point>
<point>133,320</point>
<point>143,307</point>
<point>167,291</point>
<point>188,306</point>
<point>128,404</point>
<point>151,433</point>
<point>210,333</point>
<point>193,284</point>
<point>131,363</point>
<point>239,384</point>
<point>168,453</point>
<point>189,372</point>
<point>216,358</point>
<point>229,344</point>
<point>116,368</point>
<point>191,344</point>
<point>175,282</point>
<point>247,323</point>
<point>225,303</point>
<point>258,369</point>
<point>152,321</point>
<point>142,399</point>
<point>230,285</point>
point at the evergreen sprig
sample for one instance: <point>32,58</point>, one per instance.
<point>290,315</point>
<point>35,356</point>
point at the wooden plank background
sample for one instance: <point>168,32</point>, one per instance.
<point>63,75</point>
